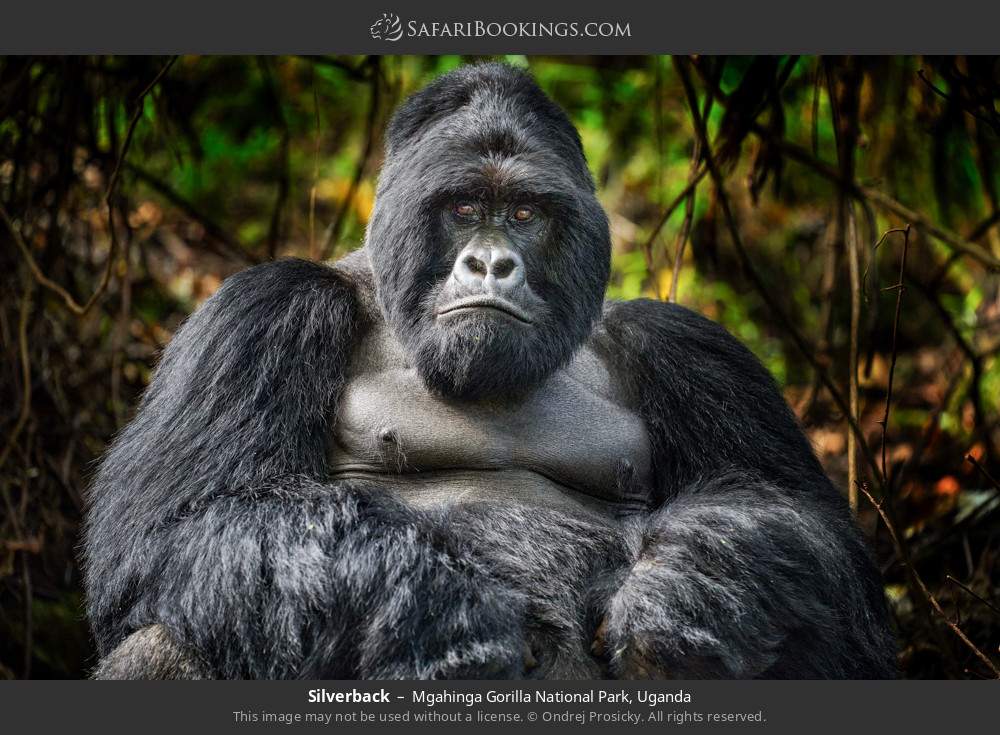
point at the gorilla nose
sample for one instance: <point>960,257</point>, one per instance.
<point>489,269</point>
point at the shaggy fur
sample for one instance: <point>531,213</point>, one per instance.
<point>486,130</point>
<point>215,539</point>
<point>150,653</point>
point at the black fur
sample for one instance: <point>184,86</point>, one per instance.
<point>151,653</point>
<point>486,127</point>
<point>213,517</point>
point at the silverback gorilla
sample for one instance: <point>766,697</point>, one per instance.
<point>446,456</point>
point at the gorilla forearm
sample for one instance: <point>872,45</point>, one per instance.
<point>553,559</point>
<point>732,574</point>
<point>318,581</point>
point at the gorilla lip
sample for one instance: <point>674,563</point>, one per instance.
<point>486,302</point>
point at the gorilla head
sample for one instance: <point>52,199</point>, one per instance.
<point>490,251</point>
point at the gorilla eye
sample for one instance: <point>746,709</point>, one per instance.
<point>465,210</point>
<point>524,214</point>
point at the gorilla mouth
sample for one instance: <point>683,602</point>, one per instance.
<point>473,303</point>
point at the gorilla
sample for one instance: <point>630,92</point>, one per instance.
<point>448,456</point>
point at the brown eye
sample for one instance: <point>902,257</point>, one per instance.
<point>465,209</point>
<point>524,214</point>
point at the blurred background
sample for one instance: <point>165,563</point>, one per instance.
<point>839,215</point>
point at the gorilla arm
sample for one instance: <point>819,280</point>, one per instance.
<point>751,566</point>
<point>212,533</point>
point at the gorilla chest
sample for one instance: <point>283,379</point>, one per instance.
<point>569,443</point>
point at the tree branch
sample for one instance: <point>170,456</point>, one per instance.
<point>766,293</point>
<point>45,281</point>
<point>904,557</point>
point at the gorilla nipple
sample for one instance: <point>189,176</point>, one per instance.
<point>390,450</point>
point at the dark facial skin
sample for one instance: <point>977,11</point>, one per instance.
<point>501,291</point>
<point>496,243</point>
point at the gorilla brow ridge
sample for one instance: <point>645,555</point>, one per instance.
<point>500,183</point>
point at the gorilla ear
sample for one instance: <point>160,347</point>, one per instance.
<point>442,97</point>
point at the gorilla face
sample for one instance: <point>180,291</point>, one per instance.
<point>490,251</point>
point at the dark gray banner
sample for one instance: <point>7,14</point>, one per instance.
<point>516,26</point>
<point>772,707</point>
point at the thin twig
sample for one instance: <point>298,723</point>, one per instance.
<point>359,171</point>
<point>685,231</point>
<point>885,235</point>
<point>22,341</point>
<point>975,462</point>
<point>315,170</point>
<point>949,238</point>
<point>45,281</point>
<point>986,602</point>
<point>852,440</point>
<point>766,293</point>
<point>683,195</point>
<point>904,557</point>
<point>900,288</point>
<point>845,137</point>
<point>284,179</point>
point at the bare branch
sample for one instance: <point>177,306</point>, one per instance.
<point>683,195</point>
<point>852,439</point>
<point>45,281</point>
<point>766,293</point>
<point>975,462</point>
<point>904,557</point>
<point>25,411</point>
<point>986,602</point>
<point>373,109</point>
<point>900,288</point>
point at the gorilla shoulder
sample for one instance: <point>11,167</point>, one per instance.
<point>698,386</point>
<point>272,292</point>
<point>266,324</point>
<point>661,325</point>
<point>672,339</point>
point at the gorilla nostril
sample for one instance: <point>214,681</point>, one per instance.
<point>503,267</point>
<point>475,265</point>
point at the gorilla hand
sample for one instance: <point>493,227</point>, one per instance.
<point>715,587</point>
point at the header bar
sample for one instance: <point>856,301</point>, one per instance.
<point>514,26</point>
